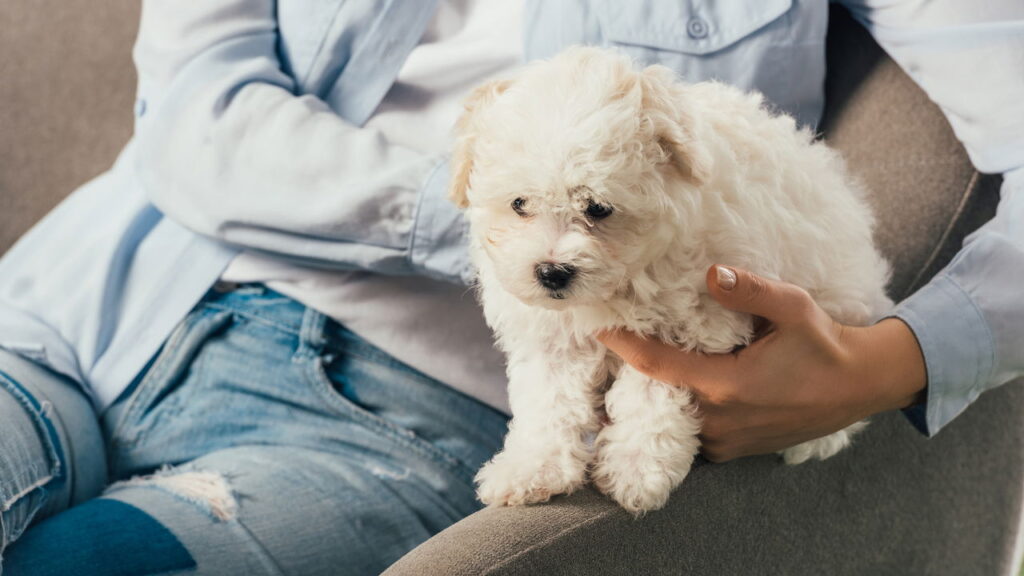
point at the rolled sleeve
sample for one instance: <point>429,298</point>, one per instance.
<point>958,349</point>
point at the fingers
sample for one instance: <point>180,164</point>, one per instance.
<point>717,453</point>
<point>651,357</point>
<point>661,361</point>
<point>743,291</point>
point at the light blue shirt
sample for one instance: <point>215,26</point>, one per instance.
<point>248,135</point>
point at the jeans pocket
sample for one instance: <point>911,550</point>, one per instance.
<point>408,439</point>
<point>172,366</point>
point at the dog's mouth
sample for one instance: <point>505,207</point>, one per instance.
<point>550,299</point>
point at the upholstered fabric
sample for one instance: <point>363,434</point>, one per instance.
<point>896,503</point>
<point>925,192</point>
<point>66,91</point>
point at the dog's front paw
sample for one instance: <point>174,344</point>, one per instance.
<point>822,448</point>
<point>638,482</point>
<point>513,480</point>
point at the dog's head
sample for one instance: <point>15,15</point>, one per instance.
<point>575,174</point>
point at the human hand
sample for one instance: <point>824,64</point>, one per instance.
<point>804,377</point>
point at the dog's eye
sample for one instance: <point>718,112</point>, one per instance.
<point>598,211</point>
<point>519,205</point>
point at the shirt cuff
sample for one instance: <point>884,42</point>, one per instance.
<point>957,346</point>
<point>439,244</point>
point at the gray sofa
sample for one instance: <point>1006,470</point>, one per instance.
<point>897,503</point>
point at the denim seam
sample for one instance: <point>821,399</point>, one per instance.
<point>394,363</point>
<point>56,467</point>
<point>168,409</point>
<point>159,367</point>
<point>159,370</point>
<point>9,504</point>
<point>44,497</point>
<point>312,338</point>
<point>369,353</point>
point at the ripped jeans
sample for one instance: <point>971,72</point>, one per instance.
<point>264,438</point>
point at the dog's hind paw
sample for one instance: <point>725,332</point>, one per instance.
<point>822,448</point>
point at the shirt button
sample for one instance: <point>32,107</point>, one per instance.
<point>697,28</point>
<point>140,107</point>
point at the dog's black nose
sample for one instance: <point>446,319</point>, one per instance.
<point>555,276</point>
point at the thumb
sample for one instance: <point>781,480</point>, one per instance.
<point>743,291</point>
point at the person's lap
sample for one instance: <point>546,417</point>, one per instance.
<point>294,448</point>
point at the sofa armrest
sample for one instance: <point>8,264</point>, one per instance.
<point>894,503</point>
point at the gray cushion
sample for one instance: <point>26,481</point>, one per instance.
<point>925,192</point>
<point>65,100</point>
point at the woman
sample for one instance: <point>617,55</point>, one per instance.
<point>307,433</point>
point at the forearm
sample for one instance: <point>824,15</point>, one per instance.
<point>227,149</point>
<point>887,366</point>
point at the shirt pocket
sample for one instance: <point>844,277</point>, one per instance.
<point>775,47</point>
<point>694,27</point>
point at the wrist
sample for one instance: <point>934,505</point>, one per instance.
<point>888,366</point>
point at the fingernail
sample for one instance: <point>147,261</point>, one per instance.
<point>726,278</point>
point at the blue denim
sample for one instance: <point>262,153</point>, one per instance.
<point>267,439</point>
<point>51,448</point>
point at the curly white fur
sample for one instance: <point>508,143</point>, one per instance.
<point>694,175</point>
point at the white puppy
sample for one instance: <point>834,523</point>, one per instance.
<point>598,196</point>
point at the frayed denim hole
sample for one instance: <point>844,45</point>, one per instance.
<point>209,491</point>
<point>14,521</point>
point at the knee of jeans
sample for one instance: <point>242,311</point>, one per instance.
<point>31,460</point>
<point>102,537</point>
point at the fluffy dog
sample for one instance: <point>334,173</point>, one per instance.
<point>598,195</point>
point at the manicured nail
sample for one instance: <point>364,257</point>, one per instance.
<point>726,278</point>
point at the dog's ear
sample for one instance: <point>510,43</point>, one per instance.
<point>663,104</point>
<point>465,138</point>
